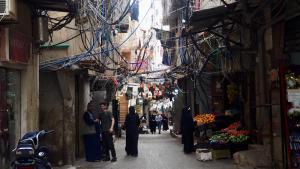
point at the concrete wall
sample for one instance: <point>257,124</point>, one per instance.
<point>84,99</point>
<point>51,113</point>
<point>28,104</point>
<point>178,106</point>
<point>29,73</point>
<point>75,45</point>
<point>57,100</point>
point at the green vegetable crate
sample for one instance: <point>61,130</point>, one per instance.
<point>220,153</point>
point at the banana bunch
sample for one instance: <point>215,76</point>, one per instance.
<point>204,119</point>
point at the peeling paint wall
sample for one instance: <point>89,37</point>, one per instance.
<point>57,112</point>
<point>84,99</point>
<point>51,114</point>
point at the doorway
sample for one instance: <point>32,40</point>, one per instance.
<point>10,123</point>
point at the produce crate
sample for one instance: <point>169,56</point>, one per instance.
<point>220,153</point>
<point>203,155</point>
<point>216,146</point>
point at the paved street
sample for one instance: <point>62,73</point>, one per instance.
<point>156,152</point>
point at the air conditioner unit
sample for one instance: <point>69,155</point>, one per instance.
<point>8,11</point>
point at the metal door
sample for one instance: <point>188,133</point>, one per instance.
<point>4,132</point>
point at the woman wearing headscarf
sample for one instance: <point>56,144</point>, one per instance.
<point>152,123</point>
<point>91,138</point>
<point>165,122</point>
<point>132,123</point>
<point>187,129</point>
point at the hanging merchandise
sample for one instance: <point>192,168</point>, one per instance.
<point>166,57</point>
<point>116,83</point>
<point>182,52</point>
<point>160,86</point>
<point>129,93</point>
<point>151,88</point>
<point>292,81</point>
<point>141,88</point>
<point>135,11</point>
<point>167,84</point>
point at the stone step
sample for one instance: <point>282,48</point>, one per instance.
<point>257,157</point>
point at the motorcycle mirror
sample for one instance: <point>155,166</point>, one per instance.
<point>50,131</point>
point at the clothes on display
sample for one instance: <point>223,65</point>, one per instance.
<point>135,11</point>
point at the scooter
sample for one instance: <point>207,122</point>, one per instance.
<point>29,154</point>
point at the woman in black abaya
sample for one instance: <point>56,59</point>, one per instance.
<point>132,123</point>
<point>152,123</point>
<point>187,129</point>
<point>165,122</point>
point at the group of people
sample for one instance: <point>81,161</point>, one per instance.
<point>158,121</point>
<point>98,129</point>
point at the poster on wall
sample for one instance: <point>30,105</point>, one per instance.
<point>20,46</point>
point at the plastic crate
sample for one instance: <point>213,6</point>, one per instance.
<point>203,155</point>
<point>220,153</point>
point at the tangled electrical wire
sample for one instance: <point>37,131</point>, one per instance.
<point>96,37</point>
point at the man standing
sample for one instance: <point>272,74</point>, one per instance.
<point>107,121</point>
<point>158,120</point>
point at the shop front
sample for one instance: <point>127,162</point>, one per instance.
<point>14,56</point>
<point>290,93</point>
<point>10,117</point>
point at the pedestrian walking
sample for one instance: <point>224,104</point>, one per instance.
<point>187,129</point>
<point>152,123</point>
<point>165,122</point>
<point>158,120</point>
<point>143,127</point>
<point>90,136</point>
<point>107,123</point>
<point>132,123</point>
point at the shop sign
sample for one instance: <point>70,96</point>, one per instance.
<point>20,46</point>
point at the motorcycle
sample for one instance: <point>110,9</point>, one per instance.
<point>29,154</point>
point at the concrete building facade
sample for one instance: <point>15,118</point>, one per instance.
<point>19,66</point>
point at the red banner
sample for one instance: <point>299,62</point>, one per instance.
<point>19,47</point>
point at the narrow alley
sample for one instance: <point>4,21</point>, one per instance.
<point>80,80</point>
<point>155,152</point>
